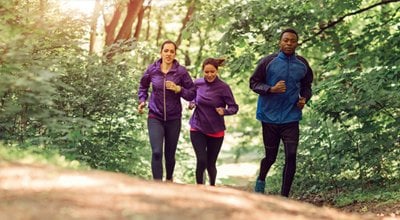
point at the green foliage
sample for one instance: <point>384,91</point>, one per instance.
<point>386,194</point>
<point>27,82</point>
<point>102,94</point>
<point>351,132</point>
<point>54,95</point>
<point>361,99</point>
<point>37,154</point>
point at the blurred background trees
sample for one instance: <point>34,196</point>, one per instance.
<point>69,80</point>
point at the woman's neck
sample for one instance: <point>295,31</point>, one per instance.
<point>165,67</point>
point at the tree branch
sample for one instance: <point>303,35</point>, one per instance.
<point>340,19</point>
<point>187,18</point>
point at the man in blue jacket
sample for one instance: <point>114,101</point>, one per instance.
<point>283,83</point>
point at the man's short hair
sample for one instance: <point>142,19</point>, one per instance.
<point>289,30</point>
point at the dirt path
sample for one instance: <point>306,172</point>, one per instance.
<point>43,192</point>
<point>240,175</point>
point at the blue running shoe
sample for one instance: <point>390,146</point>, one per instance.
<point>260,186</point>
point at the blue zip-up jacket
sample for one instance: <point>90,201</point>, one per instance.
<point>281,108</point>
<point>209,97</point>
<point>165,104</point>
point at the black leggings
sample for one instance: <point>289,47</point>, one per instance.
<point>207,149</point>
<point>272,134</point>
<point>161,132</point>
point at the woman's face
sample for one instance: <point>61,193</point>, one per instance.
<point>210,72</point>
<point>168,53</point>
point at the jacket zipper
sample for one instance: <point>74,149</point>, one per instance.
<point>165,99</point>
<point>286,82</point>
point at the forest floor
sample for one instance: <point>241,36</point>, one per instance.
<point>378,209</point>
<point>29,191</point>
<point>239,176</point>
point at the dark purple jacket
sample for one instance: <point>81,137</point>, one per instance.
<point>210,96</point>
<point>165,104</point>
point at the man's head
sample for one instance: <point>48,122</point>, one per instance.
<point>288,41</point>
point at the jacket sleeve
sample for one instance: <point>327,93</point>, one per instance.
<point>144,85</point>
<point>188,91</point>
<point>257,80</point>
<point>232,107</point>
<point>306,82</point>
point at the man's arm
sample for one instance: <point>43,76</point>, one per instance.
<point>257,80</point>
<point>305,87</point>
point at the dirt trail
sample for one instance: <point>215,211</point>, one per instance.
<point>44,192</point>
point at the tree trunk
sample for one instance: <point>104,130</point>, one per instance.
<point>43,7</point>
<point>188,61</point>
<point>93,25</point>
<point>148,24</point>
<point>199,56</point>
<point>185,21</point>
<point>110,28</point>
<point>125,32</point>
<point>139,23</point>
<point>160,24</point>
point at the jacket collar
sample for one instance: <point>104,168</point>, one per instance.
<point>174,67</point>
<point>213,82</point>
<point>286,57</point>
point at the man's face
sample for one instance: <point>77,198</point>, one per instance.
<point>288,43</point>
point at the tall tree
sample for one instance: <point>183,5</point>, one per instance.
<point>140,21</point>
<point>133,8</point>
<point>148,23</point>
<point>125,32</point>
<point>110,27</point>
<point>93,25</point>
<point>188,16</point>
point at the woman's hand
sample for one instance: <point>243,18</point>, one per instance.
<point>141,107</point>
<point>220,111</point>
<point>172,86</point>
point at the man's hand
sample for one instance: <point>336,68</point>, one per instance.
<point>172,86</point>
<point>301,102</point>
<point>220,111</point>
<point>279,87</point>
<point>141,107</point>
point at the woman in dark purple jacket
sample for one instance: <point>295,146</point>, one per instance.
<point>214,100</point>
<point>170,81</point>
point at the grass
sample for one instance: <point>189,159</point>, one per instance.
<point>387,193</point>
<point>37,155</point>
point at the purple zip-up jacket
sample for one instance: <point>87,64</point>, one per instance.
<point>210,96</point>
<point>165,104</point>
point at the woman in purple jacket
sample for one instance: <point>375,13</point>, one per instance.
<point>170,82</point>
<point>214,100</point>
